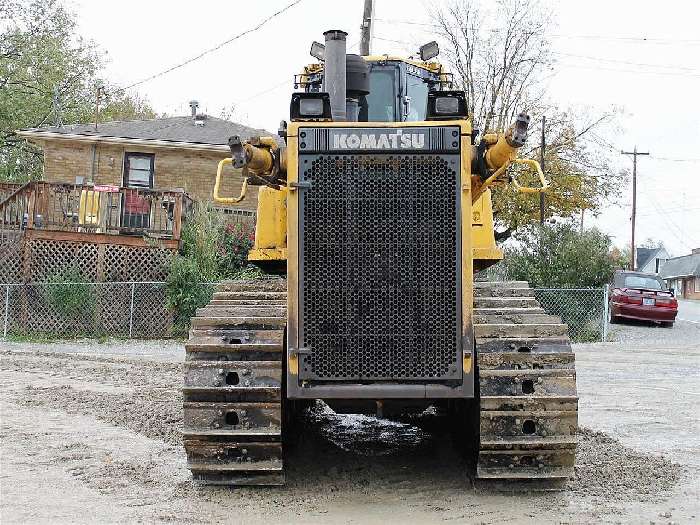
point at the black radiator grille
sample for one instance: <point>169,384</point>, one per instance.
<point>379,282</point>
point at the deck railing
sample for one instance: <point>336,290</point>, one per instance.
<point>8,188</point>
<point>99,209</point>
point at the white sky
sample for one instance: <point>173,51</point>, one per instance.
<point>656,81</point>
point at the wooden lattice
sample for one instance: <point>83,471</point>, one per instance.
<point>51,259</point>
<point>129,263</point>
<point>11,260</point>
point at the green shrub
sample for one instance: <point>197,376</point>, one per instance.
<point>236,242</point>
<point>185,292</point>
<point>559,256</point>
<point>212,250</point>
<point>68,293</point>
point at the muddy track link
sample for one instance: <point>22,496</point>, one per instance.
<point>527,386</point>
<point>233,385</point>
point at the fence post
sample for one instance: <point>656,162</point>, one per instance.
<point>7,310</point>
<point>605,312</point>
<point>131,310</point>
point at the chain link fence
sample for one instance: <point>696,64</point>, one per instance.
<point>103,309</point>
<point>142,310</point>
<point>584,310</point>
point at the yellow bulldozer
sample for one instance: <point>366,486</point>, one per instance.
<point>376,204</point>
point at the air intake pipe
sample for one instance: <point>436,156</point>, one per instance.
<point>334,75</point>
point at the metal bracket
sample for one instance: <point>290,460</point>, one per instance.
<point>301,185</point>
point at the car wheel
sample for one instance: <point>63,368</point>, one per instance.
<point>667,324</point>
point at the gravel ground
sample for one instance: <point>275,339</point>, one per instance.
<point>94,430</point>
<point>682,334</point>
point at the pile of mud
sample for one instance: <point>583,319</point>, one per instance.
<point>604,466</point>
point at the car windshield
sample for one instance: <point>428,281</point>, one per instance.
<point>640,281</point>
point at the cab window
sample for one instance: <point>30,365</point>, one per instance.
<point>417,92</point>
<point>381,101</point>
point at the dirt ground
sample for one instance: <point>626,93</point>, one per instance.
<point>89,433</point>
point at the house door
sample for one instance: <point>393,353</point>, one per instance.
<point>138,178</point>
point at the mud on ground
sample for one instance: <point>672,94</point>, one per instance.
<point>90,433</point>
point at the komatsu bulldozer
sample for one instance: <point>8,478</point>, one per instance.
<point>376,203</point>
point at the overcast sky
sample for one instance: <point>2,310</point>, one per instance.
<point>642,56</point>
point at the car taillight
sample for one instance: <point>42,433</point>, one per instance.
<point>667,303</point>
<point>634,299</point>
<point>624,296</point>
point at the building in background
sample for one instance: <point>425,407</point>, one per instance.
<point>173,153</point>
<point>683,275</point>
<point>651,260</point>
<point>113,198</point>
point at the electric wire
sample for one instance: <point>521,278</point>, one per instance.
<point>631,39</point>
<point>211,49</point>
<point>626,62</point>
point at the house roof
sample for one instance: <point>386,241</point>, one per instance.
<point>214,131</point>
<point>685,266</point>
<point>644,255</point>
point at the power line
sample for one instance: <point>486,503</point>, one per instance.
<point>212,49</point>
<point>403,42</point>
<point>631,39</point>
<point>673,228</point>
<point>635,71</point>
<point>668,159</point>
<point>601,59</point>
<point>663,210</point>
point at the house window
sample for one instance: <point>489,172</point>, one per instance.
<point>138,170</point>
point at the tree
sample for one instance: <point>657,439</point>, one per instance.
<point>559,256</point>
<point>651,243</point>
<point>501,56</point>
<point>49,75</point>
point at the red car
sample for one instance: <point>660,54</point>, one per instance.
<point>642,296</point>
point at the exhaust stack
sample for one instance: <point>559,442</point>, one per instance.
<point>334,75</point>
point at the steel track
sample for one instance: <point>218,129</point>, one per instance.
<point>233,387</point>
<point>527,386</point>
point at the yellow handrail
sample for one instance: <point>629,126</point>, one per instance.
<point>522,189</point>
<point>544,183</point>
<point>217,185</point>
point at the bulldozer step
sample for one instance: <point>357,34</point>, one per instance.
<point>505,302</point>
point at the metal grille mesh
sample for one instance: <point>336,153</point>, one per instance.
<point>379,279</point>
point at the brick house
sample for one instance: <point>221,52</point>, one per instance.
<point>683,274</point>
<point>113,199</point>
<point>161,154</point>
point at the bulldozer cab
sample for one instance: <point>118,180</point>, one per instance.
<point>398,88</point>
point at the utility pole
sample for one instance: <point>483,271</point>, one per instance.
<point>366,28</point>
<point>100,94</point>
<point>56,102</point>
<point>542,166</point>
<point>634,154</point>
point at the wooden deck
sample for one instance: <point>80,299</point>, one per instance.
<point>100,214</point>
